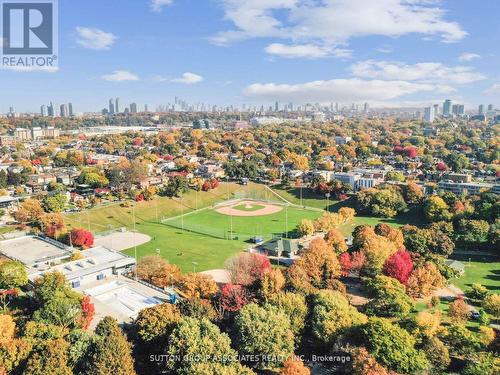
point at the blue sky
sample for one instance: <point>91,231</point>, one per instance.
<point>386,52</point>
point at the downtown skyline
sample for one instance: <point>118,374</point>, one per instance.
<point>233,52</point>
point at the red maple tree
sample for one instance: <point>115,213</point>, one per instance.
<point>345,263</point>
<point>82,237</point>
<point>88,310</point>
<point>399,266</point>
<point>233,297</point>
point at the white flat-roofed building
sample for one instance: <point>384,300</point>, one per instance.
<point>347,178</point>
<point>367,182</point>
<point>98,264</point>
<point>33,251</point>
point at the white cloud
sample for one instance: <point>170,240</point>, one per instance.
<point>95,39</point>
<point>468,56</point>
<point>188,78</point>
<point>385,49</point>
<point>333,23</point>
<point>343,90</point>
<point>308,51</point>
<point>120,76</point>
<point>422,72</point>
<point>493,90</point>
<point>157,5</point>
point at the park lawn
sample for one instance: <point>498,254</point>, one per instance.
<point>482,269</point>
<point>309,197</point>
<point>113,215</point>
<point>215,224</point>
<point>209,251</point>
<point>184,248</point>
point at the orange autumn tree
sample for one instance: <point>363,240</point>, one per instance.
<point>364,364</point>
<point>318,267</point>
<point>424,280</point>
<point>375,248</point>
<point>336,239</point>
<point>294,367</point>
<point>197,285</point>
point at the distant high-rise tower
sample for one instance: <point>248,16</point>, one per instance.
<point>429,114</point>
<point>481,109</point>
<point>133,107</point>
<point>366,108</point>
<point>447,107</point>
<point>490,107</point>
<point>146,108</point>
<point>63,110</point>
<point>117,105</point>
<point>50,110</point>
<point>43,111</point>
<point>70,110</point>
<point>436,109</point>
<point>276,106</point>
<point>111,107</point>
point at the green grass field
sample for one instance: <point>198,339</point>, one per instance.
<point>205,243</point>
<point>214,224</point>
<point>482,269</point>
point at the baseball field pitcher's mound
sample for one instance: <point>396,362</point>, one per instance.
<point>249,208</point>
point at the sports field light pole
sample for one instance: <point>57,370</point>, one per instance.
<point>182,215</point>
<point>286,221</point>
<point>231,226</point>
<point>135,243</point>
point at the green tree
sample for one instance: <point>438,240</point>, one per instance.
<point>393,346</point>
<point>437,353</point>
<point>460,340</point>
<point>263,332</point>
<point>80,342</point>
<point>192,338</point>
<point>456,161</point>
<point>12,275</point>
<point>55,203</point>
<point>110,354</point>
<point>332,315</point>
<point>482,364</point>
<point>436,209</point>
<point>58,302</point>
<point>384,202</point>
<point>175,187</point>
<point>294,306</point>
<point>389,298</point>
<point>92,178</point>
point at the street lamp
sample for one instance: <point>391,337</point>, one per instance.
<point>194,266</point>
<point>327,195</point>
